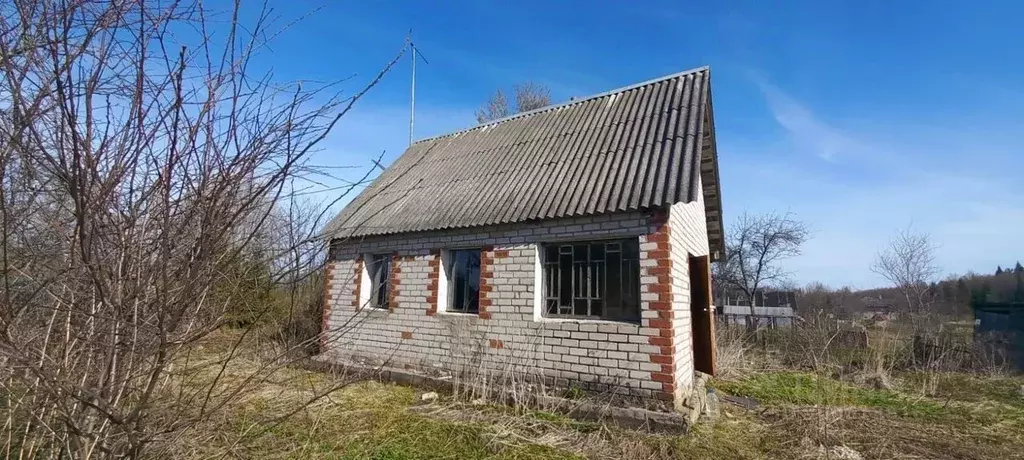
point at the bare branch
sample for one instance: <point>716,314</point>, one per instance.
<point>150,194</point>
<point>757,245</point>
<point>908,262</point>
<point>528,96</point>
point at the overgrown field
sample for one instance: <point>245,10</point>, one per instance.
<point>797,415</point>
<point>375,420</point>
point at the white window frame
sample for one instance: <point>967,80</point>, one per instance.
<point>366,290</point>
<point>444,297</point>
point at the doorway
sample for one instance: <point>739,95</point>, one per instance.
<point>702,315</point>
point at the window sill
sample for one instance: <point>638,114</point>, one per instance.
<point>375,310</point>
<point>545,319</point>
<point>458,314</point>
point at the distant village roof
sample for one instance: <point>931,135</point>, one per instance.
<point>763,298</point>
<point>635,148</point>
<point>876,302</point>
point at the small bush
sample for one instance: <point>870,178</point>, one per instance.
<point>298,317</point>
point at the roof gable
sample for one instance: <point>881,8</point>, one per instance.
<point>635,148</point>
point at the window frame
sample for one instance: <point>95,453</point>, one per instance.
<point>376,291</point>
<point>629,307</point>
<point>449,261</point>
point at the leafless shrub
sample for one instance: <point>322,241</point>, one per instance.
<point>732,351</point>
<point>140,183</point>
<point>481,374</point>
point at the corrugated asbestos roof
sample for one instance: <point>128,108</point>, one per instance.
<point>634,148</point>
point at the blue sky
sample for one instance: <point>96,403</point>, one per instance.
<point>858,117</point>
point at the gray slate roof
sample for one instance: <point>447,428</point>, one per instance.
<point>634,148</point>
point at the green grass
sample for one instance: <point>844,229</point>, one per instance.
<point>967,387</point>
<point>801,389</point>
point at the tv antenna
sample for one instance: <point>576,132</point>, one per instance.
<point>412,98</point>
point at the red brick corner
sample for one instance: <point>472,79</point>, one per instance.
<point>486,281</point>
<point>357,275</point>
<point>435,273</point>
<point>664,340</point>
<point>325,322</point>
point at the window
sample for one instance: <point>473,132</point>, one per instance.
<point>379,270</point>
<point>596,279</point>
<point>464,281</point>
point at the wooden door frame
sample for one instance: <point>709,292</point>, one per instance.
<point>702,315</point>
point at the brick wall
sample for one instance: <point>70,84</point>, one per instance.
<point>643,359</point>
<point>688,237</point>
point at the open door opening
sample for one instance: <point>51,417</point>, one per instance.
<point>702,316</point>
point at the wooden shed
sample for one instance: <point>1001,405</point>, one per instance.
<point>1001,323</point>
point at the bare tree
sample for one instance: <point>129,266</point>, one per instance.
<point>140,172</point>
<point>528,96</point>
<point>496,108</point>
<point>531,96</point>
<point>908,262</point>
<point>818,296</point>
<point>756,246</point>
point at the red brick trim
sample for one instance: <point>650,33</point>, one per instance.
<point>325,322</point>
<point>495,343</point>
<point>406,335</point>
<point>394,281</point>
<point>357,275</point>
<point>487,254</point>
<point>433,277</point>
<point>665,339</point>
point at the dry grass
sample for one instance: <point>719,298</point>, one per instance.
<point>823,395</point>
<point>373,420</point>
<point>877,435</point>
<point>801,416</point>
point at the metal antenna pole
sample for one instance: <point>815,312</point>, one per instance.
<point>412,99</point>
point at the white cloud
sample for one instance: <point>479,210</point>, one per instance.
<point>954,184</point>
<point>806,130</point>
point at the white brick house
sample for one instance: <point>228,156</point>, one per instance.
<point>572,241</point>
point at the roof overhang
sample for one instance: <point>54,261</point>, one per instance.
<point>711,185</point>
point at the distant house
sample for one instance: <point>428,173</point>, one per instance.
<point>571,241</point>
<point>772,308</point>
<point>877,309</point>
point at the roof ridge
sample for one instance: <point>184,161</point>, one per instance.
<point>566,103</point>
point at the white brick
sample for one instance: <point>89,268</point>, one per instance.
<point>576,350</point>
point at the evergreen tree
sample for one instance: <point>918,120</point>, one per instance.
<point>963,293</point>
<point>981,295</point>
<point>999,270</point>
<point>1018,268</point>
<point>1018,291</point>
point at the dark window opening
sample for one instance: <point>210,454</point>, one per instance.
<point>595,279</point>
<point>464,281</point>
<point>380,279</point>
